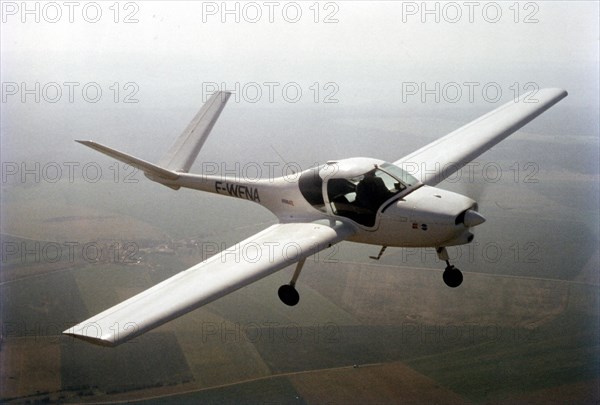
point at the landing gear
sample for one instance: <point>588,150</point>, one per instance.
<point>452,276</point>
<point>287,293</point>
<point>383,248</point>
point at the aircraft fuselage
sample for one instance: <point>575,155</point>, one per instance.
<point>409,215</point>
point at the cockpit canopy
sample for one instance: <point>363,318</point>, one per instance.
<point>355,188</point>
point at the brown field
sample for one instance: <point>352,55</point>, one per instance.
<point>392,383</point>
<point>76,226</point>
<point>27,214</point>
<point>214,358</point>
<point>383,295</point>
<point>30,367</point>
<point>584,392</point>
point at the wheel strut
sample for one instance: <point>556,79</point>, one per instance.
<point>299,266</point>
<point>452,276</point>
<point>287,293</point>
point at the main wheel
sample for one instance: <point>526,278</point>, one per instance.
<point>452,277</point>
<point>288,295</point>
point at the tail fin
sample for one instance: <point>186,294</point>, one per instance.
<point>182,154</point>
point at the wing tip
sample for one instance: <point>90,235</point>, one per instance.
<point>83,334</point>
<point>222,94</point>
<point>558,92</point>
<point>89,339</point>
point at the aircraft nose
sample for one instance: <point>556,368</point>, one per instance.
<point>473,218</point>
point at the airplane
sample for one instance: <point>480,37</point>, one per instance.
<point>358,199</point>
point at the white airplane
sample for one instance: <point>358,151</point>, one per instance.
<point>359,199</point>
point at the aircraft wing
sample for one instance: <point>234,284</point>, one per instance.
<point>440,159</point>
<point>244,263</point>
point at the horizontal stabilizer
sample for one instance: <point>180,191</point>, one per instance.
<point>182,154</point>
<point>147,167</point>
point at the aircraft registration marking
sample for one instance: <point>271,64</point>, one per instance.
<point>237,190</point>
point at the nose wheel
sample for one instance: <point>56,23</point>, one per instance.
<point>452,276</point>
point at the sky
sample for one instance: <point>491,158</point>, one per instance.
<point>68,69</point>
<point>372,51</point>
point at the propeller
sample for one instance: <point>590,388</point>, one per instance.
<point>475,190</point>
<point>472,218</point>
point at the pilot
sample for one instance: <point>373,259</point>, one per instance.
<point>371,191</point>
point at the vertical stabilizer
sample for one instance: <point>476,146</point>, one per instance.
<point>184,151</point>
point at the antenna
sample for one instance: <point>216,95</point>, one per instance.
<point>282,159</point>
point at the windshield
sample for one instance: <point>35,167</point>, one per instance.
<point>360,197</point>
<point>407,179</point>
